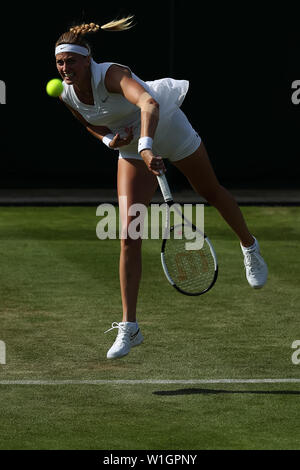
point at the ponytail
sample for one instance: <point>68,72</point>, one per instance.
<point>119,25</point>
<point>115,25</point>
<point>84,29</point>
<point>76,34</point>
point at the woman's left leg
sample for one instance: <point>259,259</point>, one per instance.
<point>198,170</point>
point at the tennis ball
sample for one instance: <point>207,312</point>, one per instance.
<point>54,87</point>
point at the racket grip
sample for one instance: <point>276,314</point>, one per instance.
<point>163,183</point>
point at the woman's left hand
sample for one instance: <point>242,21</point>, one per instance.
<point>155,164</point>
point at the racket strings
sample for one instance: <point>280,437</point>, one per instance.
<point>193,271</point>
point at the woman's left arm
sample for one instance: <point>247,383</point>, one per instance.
<point>119,80</point>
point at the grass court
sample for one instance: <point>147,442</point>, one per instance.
<point>59,292</point>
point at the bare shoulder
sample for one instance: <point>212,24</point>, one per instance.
<point>118,71</point>
<point>114,75</point>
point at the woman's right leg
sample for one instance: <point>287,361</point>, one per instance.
<point>136,185</point>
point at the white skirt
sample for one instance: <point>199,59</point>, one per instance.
<point>175,139</point>
<point>169,93</point>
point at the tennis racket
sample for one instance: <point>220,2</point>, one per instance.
<point>191,272</point>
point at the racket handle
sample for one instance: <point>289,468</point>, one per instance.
<point>163,183</point>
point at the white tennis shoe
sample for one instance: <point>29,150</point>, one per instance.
<point>256,267</point>
<point>129,335</point>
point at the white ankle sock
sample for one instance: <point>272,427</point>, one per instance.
<point>250,248</point>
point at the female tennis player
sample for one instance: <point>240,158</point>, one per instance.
<point>143,120</point>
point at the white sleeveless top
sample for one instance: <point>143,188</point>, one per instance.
<point>114,111</point>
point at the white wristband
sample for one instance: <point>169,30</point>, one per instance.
<point>107,139</point>
<point>145,143</point>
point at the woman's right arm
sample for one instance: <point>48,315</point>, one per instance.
<point>97,131</point>
<point>101,131</point>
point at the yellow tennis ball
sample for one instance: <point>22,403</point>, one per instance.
<point>54,87</point>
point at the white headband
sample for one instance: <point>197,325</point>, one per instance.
<point>72,48</point>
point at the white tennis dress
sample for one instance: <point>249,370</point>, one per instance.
<point>174,137</point>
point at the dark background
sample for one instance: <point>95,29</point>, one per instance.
<point>240,61</point>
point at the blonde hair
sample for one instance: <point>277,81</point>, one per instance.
<point>76,34</point>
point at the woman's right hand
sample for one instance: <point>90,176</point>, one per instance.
<point>155,164</point>
<point>118,141</point>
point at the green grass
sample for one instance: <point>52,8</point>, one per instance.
<point>59,292</point>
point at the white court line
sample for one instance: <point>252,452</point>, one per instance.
<point>149,382</point>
